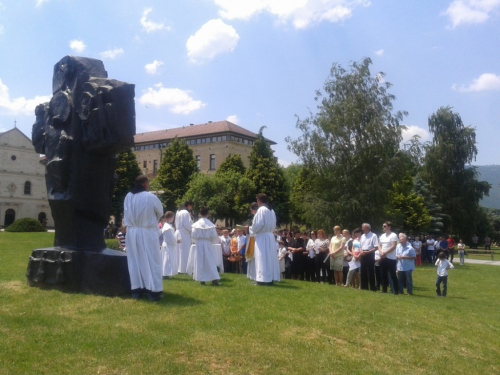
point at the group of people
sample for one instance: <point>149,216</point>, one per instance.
<point>180,245</point>
<point>163,245</point>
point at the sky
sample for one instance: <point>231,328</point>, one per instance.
<point>259,62</point>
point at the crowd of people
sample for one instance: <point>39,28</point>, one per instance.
<point>160,246</point>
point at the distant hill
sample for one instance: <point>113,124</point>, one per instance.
<point>490,173</point>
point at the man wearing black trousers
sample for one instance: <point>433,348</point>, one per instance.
<point>387,250</point>
<point>369,243</point>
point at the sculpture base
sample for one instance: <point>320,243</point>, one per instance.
<point>103,273</point>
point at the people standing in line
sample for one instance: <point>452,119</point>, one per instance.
<point>204,235</point>
<point>142,210</point>
<point>282,253</point>
<point>451,247</point>
<point>225,242</point>
<point>170,263</point>
<point>322,264</point>
<point>405,255</point>
<point>475,241</point>
<point>430,250</point>
<point>347,254</point>
<point>120,236</point>
<point>443,265</point>
<point>423,250</point>
<point>310,272</point>
<point>487,243</point>
<point>369,244</point>
<point>183,223</point>
<point>266,262</point>
<point>443,246</point>
<point>461,252</point>
<point>387,250</point>
<point>337,243</point>
<point>353,278</point>
<point>417,245</point>
<point>295,251</point>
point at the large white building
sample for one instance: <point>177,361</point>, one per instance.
<point>22,181</point>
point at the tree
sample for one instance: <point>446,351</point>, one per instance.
<point>233,163</point>
<point>268,176</point>
<point>433,208</point>
<point>351,146</point>
<point>454,184</point>
<point>127,170</point>
<point>176,170</point>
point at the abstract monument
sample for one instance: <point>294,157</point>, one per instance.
<point>88,120</point>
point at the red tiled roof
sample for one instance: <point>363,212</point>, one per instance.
<point>191,131</point>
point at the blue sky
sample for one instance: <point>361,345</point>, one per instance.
<point>258,62</point>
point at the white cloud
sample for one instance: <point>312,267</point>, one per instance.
<point>150,26</point>
<point>111,54</point>
<point>39,3</point>
<point>213,38</point>
<point>77,45</point>
<point>153,67</point>
<point>179,101</point>
<point>412,130</point>
<point>1,30</point>
<point>485,82</point>
<point>302,13</point>
<point>380,52</point>
<point>284,163</point>
<point>470,11</point>
<point>21,105</point>
<point>234,119</point>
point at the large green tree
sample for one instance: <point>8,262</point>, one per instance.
<point>233,163</point>
<point>268,176</point>
<point>451,179</point>
<point>127,170</point>
<point>351,146</point>
<point>176,171</point>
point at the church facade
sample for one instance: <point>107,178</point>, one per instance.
<point>22,181</point>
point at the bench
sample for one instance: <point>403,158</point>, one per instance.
<point>479,252</point>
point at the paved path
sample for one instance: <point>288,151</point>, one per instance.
<point>456,262</point>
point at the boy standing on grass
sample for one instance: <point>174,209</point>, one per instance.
<point>443,265</point>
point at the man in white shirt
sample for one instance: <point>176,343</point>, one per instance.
<point>142,210</point>
<point>369,244</point>
<point>225,242</point>
<point>388,262</point>
<point>430,250</point>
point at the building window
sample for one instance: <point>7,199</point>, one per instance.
<point>155,166</point>
<point>27,188</point>
<point>198,161</point>
<point>145,164</point>
<point>212,161</point>
<point>224,138</point>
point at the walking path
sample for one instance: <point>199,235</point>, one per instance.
<point>477,261</point>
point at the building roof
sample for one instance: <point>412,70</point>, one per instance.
<point>16,130</point>
<point>192,131</point>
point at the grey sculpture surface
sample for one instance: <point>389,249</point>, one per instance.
<point>88,120</point>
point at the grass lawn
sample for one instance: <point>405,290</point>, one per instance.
<point>291,328</point>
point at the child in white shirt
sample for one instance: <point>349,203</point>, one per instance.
<point>461,252</point>
<point>443,265</point>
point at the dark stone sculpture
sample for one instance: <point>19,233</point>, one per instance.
<point>88,120</point>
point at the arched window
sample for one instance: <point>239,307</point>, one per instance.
<point>27,188</point>
<point>10,217</point>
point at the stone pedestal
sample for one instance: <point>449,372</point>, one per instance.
<point>103,273</point>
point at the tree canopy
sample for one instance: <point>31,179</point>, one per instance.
<point>350,146</point>
<point>176,170</point>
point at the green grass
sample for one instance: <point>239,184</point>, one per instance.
<point>292,328</point>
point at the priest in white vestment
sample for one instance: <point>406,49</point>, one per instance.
<point>169,247</point>
<point>183,222</point>
<point>203,265</point>
<point>265,257</point>
<point>142,210</point>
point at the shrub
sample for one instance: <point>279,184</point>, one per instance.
<point>112,244</point>
<point>26,225</point>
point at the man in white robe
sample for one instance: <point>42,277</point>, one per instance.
<point>265,256</point>
<point>204,266</point>
<point>142,210</point>
<point>169,247</point>
<point>183,222</point>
